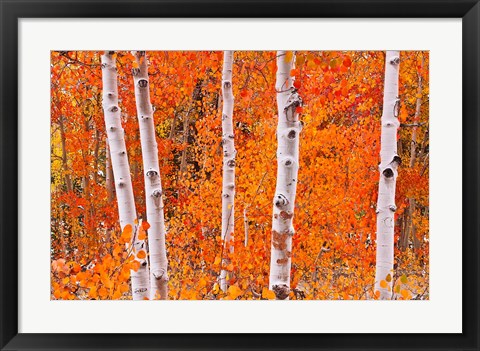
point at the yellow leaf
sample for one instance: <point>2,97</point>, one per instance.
<point>383,284</point>
<point>268,294</point>
<point>300,60</point>
<point>288,56</point>
<point>234,292</point>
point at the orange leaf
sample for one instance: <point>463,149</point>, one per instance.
<point>127,233</point>
<point>135,265</point>
<point>405,294</point>
<point>103,292</point>
<point>93,292</point>
<point>234,292</point>
<point>288,56</point>
<point>142,235</point>
<point>141,254</point>
<point>268,294</point>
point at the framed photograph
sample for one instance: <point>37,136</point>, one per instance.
<point>235,175</point>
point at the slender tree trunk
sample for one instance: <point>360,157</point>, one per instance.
<point>153,184</point>
<point>121,169</point>
<point>288,132</point>
<point>245,225</point>
<point>403,241</point>
<point>229,153</point>
<point>173,128</point>
<point>193,107</point>
<point>413,153</point>
<point>96,153</point>
<point>413,145</point>
<point>109,174</point>
<point>389,162</point>
<point>413,230</point>
<point>68,180</point>
<point>186,129</point>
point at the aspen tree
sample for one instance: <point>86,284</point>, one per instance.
<point>413,154</point>
<point>389,162</point>
<point>153,184</point>
<point>288,132</point>
<point>121,169</point>
<point>229,153</point>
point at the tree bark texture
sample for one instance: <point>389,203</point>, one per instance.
<point>121,169</point>
<point>288,132</point>
<point>229,153</point>
<point>389,162</point>
<point>153,184</point>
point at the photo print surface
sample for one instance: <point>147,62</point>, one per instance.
<point>239,175</point>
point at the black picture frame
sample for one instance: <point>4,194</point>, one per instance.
<point>12,11</point>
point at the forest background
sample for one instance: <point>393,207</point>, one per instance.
<point>334,243</point>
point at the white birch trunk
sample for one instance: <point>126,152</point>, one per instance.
<point>153,184</point>
<point>288,132</point>
<point>389,162</point>
<point>229,153</point>
<point>121,168</point>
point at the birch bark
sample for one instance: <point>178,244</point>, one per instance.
<point>121,168</point>
<point>288,131</point>
<point>389,162</point>
<point>229,153</point>
<point>153,184</point>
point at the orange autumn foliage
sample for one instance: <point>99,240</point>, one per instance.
<point>333,254</point>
